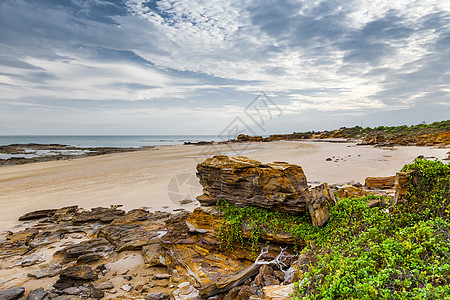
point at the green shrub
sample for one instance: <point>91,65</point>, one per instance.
<point>371,253</point>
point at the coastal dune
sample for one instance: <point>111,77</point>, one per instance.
<point>158,178</point>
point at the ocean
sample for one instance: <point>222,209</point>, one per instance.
<point>106,140</point>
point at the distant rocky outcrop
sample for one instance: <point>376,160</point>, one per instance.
<point>277,186</point>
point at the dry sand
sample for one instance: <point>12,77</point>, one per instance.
<point>158,178</point>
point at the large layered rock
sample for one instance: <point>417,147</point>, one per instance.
<point>277,186</point>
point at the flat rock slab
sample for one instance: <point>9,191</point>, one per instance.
<point>38,214</point>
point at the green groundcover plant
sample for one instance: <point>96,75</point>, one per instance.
<point>399,252</point>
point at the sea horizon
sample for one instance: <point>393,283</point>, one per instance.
<point>122,141</point>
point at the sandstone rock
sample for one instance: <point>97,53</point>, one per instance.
<point>320,199</point>
<point>86,251</point>
<point>17,243</point>
<point>265,276</point>
<point>201,265</point>
<point>78,272</point>
<point>278,292</point>
<point>49,270</point>
<point>152,254</point>
<point>38,214</point>
<point>225,284</point>
<point>232,294</point>
<point>162,276</point>
<point>50,234</point>
<point>29,260</point>
<point>135,229</point>
<point>72,291</point>
<point>275,186</point>
<point>126,287</point>
<point>65,213</point>
<point>185,291</point>
<point>380,182</point>
<point>157,296</point>
<point>101,214</point>
<point>245,292</point>
<point>95,293</point>
<point>350,191</point>
<point>246,182</point>
<point>279,274</point>
<point>402,182</point>
<point>12,293</point>
<point>38,294</point>
<point>107,285</point>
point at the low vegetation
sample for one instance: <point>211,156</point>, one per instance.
<point>388,131</point>
<point>402,252</point>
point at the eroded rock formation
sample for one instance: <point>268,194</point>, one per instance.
<point>277,186</point>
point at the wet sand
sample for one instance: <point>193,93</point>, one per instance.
<point>158,178</point>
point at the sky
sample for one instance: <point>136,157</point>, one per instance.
<point>215,66</point>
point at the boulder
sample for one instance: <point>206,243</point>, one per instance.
<point>278,186</point>
<point>380,182</point>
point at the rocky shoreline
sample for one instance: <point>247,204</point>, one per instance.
<point>72,253</point>
<point>18,154</point>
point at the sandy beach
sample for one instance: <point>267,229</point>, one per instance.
<point>158,178</point>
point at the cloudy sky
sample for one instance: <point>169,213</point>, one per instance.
<point>194,66</point>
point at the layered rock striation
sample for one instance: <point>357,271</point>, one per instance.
<point>277,186</point>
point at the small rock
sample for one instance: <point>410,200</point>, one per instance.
<point>128,277</point>
<point>157,296</point>
<point>29,261</point>
<point>72,291</point>
<point>185,201</point>
<point>38,294</point>
<point>279,274</point>
<point>12,293</point>
<point>245,292</point>
<point>162,276</point>
<point>185,291</point>
<point>95,293</point>
<point>113,291</point>
<point>126,287</point>
<point>107,285</point>
<point>329,159</point>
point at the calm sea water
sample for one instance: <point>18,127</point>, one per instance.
<point>106,140</point>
